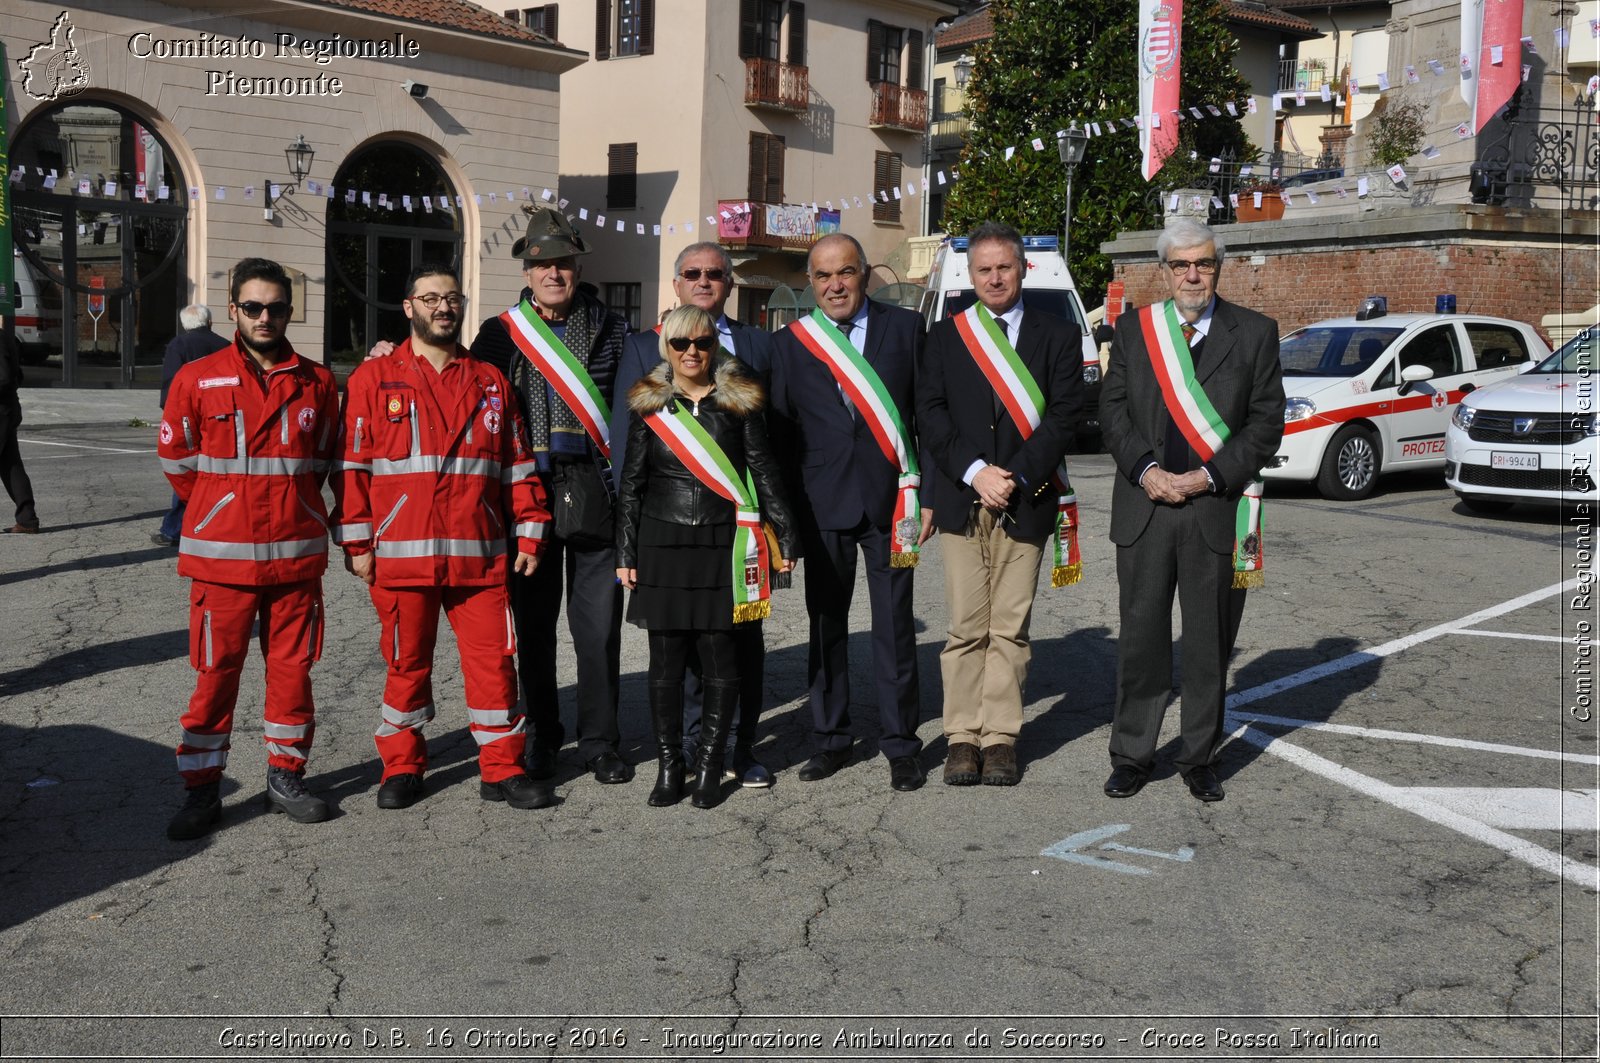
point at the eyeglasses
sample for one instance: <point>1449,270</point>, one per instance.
<point>455,300</point>
<point>1203,266</point>
<point>710,274</point>
<point>703,344</point>
<point>252,310</point>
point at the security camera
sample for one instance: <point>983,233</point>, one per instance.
<point>415,89</point>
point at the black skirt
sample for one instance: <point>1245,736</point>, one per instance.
<point>685,577</point>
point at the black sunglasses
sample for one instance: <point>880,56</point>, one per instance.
<point>702,344</point>
<point>252,310</point>
<point>710,274</point>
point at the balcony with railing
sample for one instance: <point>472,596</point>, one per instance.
<point>783,227</point>
<point>1301,75</point>
<point>776,86</point>
<point>950,131</point>
<point>898,107</point>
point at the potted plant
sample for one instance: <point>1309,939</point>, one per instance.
<point>1271,208</point>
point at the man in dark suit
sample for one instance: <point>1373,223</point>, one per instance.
<point>994,449</point>
<point>1177,499</point>
<point>703,276</point>
<point>851,489</point>
<point>194,342</point>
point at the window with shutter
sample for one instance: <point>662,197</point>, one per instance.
<point>914,57</point>
<point>622,177</point>
<point>538,19</point>
<point>885,182</point>
<point>884,44</point>
<point>766,168</point>
<point>797,34</point>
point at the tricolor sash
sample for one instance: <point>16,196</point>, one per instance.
<point>1202,426</point>
<point>1019,392</point>
<point>865,387</point>
<point>702,456</point>
<point>562,369</point>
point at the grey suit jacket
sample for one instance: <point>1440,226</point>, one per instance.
<point>1238,370</point>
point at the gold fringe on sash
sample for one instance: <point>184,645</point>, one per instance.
<point>1066,575</point>
<point>748,611</point>
<point>905,560</point>
<point>1249,581</point>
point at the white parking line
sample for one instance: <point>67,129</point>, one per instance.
<point>1409,736</point>
<point>1515,635</point>
<point>1355,660</point>
<point>1408,799</point>
<point>83,446</point>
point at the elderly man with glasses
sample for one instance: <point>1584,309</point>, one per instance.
<point>703,276</point>
<point>1192,408</point>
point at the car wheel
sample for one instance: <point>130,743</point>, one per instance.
<point>1350,465</point>
<point>1486,505</point>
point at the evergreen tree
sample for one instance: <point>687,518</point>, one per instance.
<point>1052,61</point>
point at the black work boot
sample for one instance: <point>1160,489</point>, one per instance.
<point>716,717</point>
<point>287,793</point>
<point>666,714</point>
<point>202,809</point>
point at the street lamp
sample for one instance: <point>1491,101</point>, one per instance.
<point>1071,145</point>
<point>298,155</point>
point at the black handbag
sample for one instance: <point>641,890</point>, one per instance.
<point>581,504</point>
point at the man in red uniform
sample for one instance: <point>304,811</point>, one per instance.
<point>433,463</point>
<point>247,438</point>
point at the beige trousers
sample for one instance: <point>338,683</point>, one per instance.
<point>989,584</point>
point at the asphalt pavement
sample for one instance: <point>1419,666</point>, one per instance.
<point>1405,864</point>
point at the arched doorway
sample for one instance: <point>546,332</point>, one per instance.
<point>100,225</point>
<point>374,241</point>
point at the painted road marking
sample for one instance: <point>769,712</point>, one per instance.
<point>1522,635</point>
<point>1068,849</point>
<point>1410,799</point>
<point>1519,807</point>
<point>1409,736</point>
<point>83,446</point>
<point>1361,657</point>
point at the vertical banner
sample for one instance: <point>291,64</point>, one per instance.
<point>8,282</point>
<point>1491,54</point>
<point>1160,67</point>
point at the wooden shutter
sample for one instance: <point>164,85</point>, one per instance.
<point>749,42</point>
<point>877,33</point>
<point>885,178</point>
<point>775,147</point>
<point>797,33</point>
<point>602,29</point>
<point>550,29</point>
<point>622,177</point>
<point>647,27</point>
<point>914,60</point>
<point>756,186</point>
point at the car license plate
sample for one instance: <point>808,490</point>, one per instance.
<point>1501,459</point>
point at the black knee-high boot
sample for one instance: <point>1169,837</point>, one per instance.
<point>721,702</point>
<point>666,713</point>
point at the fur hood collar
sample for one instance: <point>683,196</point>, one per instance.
<point>737,390</point>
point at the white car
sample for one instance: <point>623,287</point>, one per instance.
<point>1530,438</point>
<point>1371,396</point>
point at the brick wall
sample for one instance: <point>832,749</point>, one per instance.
<point>1304,273</point>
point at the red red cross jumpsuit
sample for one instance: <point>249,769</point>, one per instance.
<point>433,466</point>
<point>248,451</point>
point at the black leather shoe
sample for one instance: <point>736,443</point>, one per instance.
<point>400,791</point>
<point>824,764</point>
<point>519,791</point>
<point>905,773</point>
<point>1204,784</point>
<point>1126,780</point>
<point>202,809</point>
<point>609,768</point>
<point>540,762</point>
<point>287,793</point>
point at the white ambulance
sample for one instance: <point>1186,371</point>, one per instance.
<point>1373,393</point>
<point>38,328</point>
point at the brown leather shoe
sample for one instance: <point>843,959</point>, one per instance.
<point>962,765</point>
<point>23,529</point>
<point>1000,766</point>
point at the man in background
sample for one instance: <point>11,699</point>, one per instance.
<point>195,341</point>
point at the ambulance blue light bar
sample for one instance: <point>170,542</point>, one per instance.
<point>1029,243</point>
